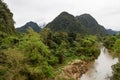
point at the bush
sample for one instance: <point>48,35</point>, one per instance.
<point>116,72</point>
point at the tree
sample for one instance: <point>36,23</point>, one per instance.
<point>37,57</point>
<point>61,51</point>
<point>11,65</point>
<point>117,46</point>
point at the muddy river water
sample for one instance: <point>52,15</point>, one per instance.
<point>101,68</point>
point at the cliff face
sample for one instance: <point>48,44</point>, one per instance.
<point>6,19</point>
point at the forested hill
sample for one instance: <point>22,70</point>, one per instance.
<point>67,23</point>
<point>91,24</point>
<point>6,20</point>
<point>84,24</point>
<point>46,55</point>
<point>39,56</point>
<point>28,25</point>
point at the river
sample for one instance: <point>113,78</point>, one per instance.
<point>101,68</point>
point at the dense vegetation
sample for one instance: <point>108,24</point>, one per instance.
<point>34,56</point>
<point>113,44</point>
<point>38,56</point>
<point>6,21</point>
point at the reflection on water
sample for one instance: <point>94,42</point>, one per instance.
<point>101,69</point>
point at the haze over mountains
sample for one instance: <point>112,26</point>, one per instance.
<point>111,32</point>
<point>83,24</point>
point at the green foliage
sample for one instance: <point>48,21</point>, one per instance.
<point>117,46</point>
<point>30,55</point>
<point>9,41</point>
<point>113,43</point>
<point>109,41</point>
<point>6,21</point>
<point>11,64</point>
<point>116,72</point>
<point>61,51</point>
<point>90,46</point>
<point>36,56</point>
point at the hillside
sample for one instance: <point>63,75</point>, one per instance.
<point>112,32</point>
<point>91,24</point>
<point>57,54</point>
<point>67,23</point>
<point>84,24</point>
<point>6,19</point>
<point>28,25</point>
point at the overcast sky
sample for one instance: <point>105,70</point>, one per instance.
<point>106,12</point>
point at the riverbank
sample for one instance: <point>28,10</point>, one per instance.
<point>101,69</point>
<point>73,70</point>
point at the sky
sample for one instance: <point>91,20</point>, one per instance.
<point>106,12</point>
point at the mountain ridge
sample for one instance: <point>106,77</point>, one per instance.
<point>112,32</point>
<point>63,21</point>
<point>84,24</point>
<point>28,25</point>
<point>91,24</point>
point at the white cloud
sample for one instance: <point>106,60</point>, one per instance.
<point>106,12</point>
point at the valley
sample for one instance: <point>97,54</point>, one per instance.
<point>67,48</point>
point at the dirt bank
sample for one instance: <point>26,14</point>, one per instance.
<point>73,70</point>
